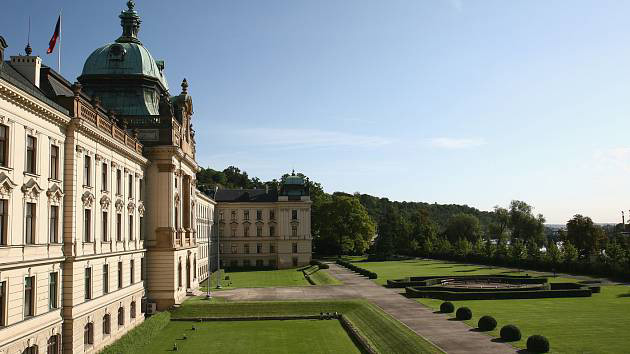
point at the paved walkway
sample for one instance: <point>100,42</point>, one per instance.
<point>450,336</point>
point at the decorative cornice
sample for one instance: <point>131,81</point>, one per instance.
<point>29,103</point>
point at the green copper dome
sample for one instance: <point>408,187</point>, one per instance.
<point>124,59</point>
<point>124,74</point>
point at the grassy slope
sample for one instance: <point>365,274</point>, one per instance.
<point>385,333</point>
<point>573,325</point>
<point>295,336</point>
<point>261,279</point>
<point>321,277</point>
<point>142,335</point>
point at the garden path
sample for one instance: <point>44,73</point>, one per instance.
<point>450,336</point>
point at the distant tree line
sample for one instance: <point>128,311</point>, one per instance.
<point>356,224</point>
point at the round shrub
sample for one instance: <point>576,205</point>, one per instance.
<point>510,333</point>
<point>463,313</point>
<point>537,344</point>
<point>447,307</point>
<point>487,323</point>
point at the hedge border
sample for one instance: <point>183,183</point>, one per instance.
<point>432,280</point>
<point>357,269</point>
<point>499,295</point>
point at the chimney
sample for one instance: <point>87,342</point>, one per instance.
<point>27,65</point>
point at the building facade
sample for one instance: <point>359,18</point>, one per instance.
<point>100,216</point>
<point>262,228</point>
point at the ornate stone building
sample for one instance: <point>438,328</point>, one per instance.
<point>99,210</point>
<point>265,228</point>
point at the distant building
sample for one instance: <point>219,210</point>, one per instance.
<point>265,228</point>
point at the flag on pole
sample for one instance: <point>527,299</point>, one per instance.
<point>55,36</point>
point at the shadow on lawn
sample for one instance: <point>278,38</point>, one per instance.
<point>466,271</point>
<point>624,295</point>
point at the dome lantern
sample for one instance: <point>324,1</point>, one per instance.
<point>130,22</point>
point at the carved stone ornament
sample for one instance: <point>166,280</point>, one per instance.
<point>31,189</point>
<point>177,198</point>
<point>141,208</point>
<point>119,205</point>
<point>6,185</point>
<point>88,199</point>
<point>54,193</point>
<point>131,207</point>
<point>105,202</point>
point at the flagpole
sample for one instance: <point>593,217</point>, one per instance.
<point>59,51</point>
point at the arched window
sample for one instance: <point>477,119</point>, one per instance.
<point>133,309</point>
<point>121,316</point>
<point>30,350</point>
<point>88,334</point>
<point>53,345</point>
<point>179,273</point>
<point>107,324</point>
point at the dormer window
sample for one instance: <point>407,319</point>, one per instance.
<point>117,52</point>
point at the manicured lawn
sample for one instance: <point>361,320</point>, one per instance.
<point>598,324</point>
<point>385,333</point>
<point>269,278</point>
<point>422,267</point>
<point>321,276</point>
<point>291,336</point>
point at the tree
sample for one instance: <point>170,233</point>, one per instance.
<point>587,237</point>
<point>517,249</point>
<point>463,226</point>
<point>463,248</point>
<point>569,253</point>
<point>390,228</point>
<point>423,231</point>
<point>524,225</point>
<point>344,227</point>
<point>554,256</point>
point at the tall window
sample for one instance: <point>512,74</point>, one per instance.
<point>295,247</point>
<point>140,189</point>
<point>107,324</point>
<point>141,228</point>
<point>3,303</point>
<point>233,215</point>
<point>54,162</point>
<point>294,214</point>
<point>53,285</point>
<point>176,218</point>
<point>88,283</point>
<point>131,237</point>
<point>4,145</point>
<point>87,170</point>
<point>119,227</point>
<point>132,309</point>
<point>294,231</point>
<point>87,225</point>
<point>54,222</point>
<point>132,271</point>
<point>259,231</point>
<point>88,334</point>
<point>245,214</point>
<point>30,223</point>
<point>130,186</point>
<point>258,214</point>
<point>31,154</point>
<point>259,248</point>
<point>105,278</point>
<point>246,247</point>
<point>179,274</point>
<point>120,275</point>
<point>104,177</point>
<point>4,217</point>
<point>118,182</point>
<point>29,296</point>
<point>121,316</point>
<point>142,268</point>
<point>53,345</point>
<point>104,221</point>
<point>272,231</point>
<point>245,231</point>
<point>272,215</point>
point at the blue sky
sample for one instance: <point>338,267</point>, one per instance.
<point>449,101</point>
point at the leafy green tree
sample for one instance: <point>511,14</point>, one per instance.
<point>533,252</point>
<point>463,247</point>
<point>391,227</point>
<point>554,256</point>
<point>587,237</point>
<point>517,250</point>
<point>463,226</point>
<point>443,247</point>
<point>489,249</point>
<point>524,225</point>
<point>615,253</point>
<point>569,253</point>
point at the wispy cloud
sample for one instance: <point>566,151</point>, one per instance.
<point>309,138</point>
<point>619,157</point>
<point>454,143</point>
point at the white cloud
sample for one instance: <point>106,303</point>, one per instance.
<point>619,157</point>
<point>309,138</point>
<point>453,143</point>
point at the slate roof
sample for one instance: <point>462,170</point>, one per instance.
<point>8,73</point>
<point>246,195</point>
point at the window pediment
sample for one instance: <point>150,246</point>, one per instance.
<point>55,193</point>
<point>31,189</point>
<point>105,202</point>
<point>6,184</point>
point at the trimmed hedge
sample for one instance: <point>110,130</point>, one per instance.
<point>487,323</point>
<point>537,344</point>
<point>137,338</point>
<point>510,333</point>
<point>320,264</point>
<point>446,295</point>
<point>463,314</point>
<point>433,280</point>
<point>447,307</point>
<point>357,269</point>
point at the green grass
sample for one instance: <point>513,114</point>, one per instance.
<point>140,336</point>
<point>321,277</point>
<point>424,267</point>
<point>385,333</point>
<point>291,336</point>
<point>597,324</point>
<point>269,278</point>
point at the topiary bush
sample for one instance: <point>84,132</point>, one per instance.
<point>463,314</point>
<point>537,344</point>
<point>510,333</point>
<point>447,307</point>
<point>487,323</point>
